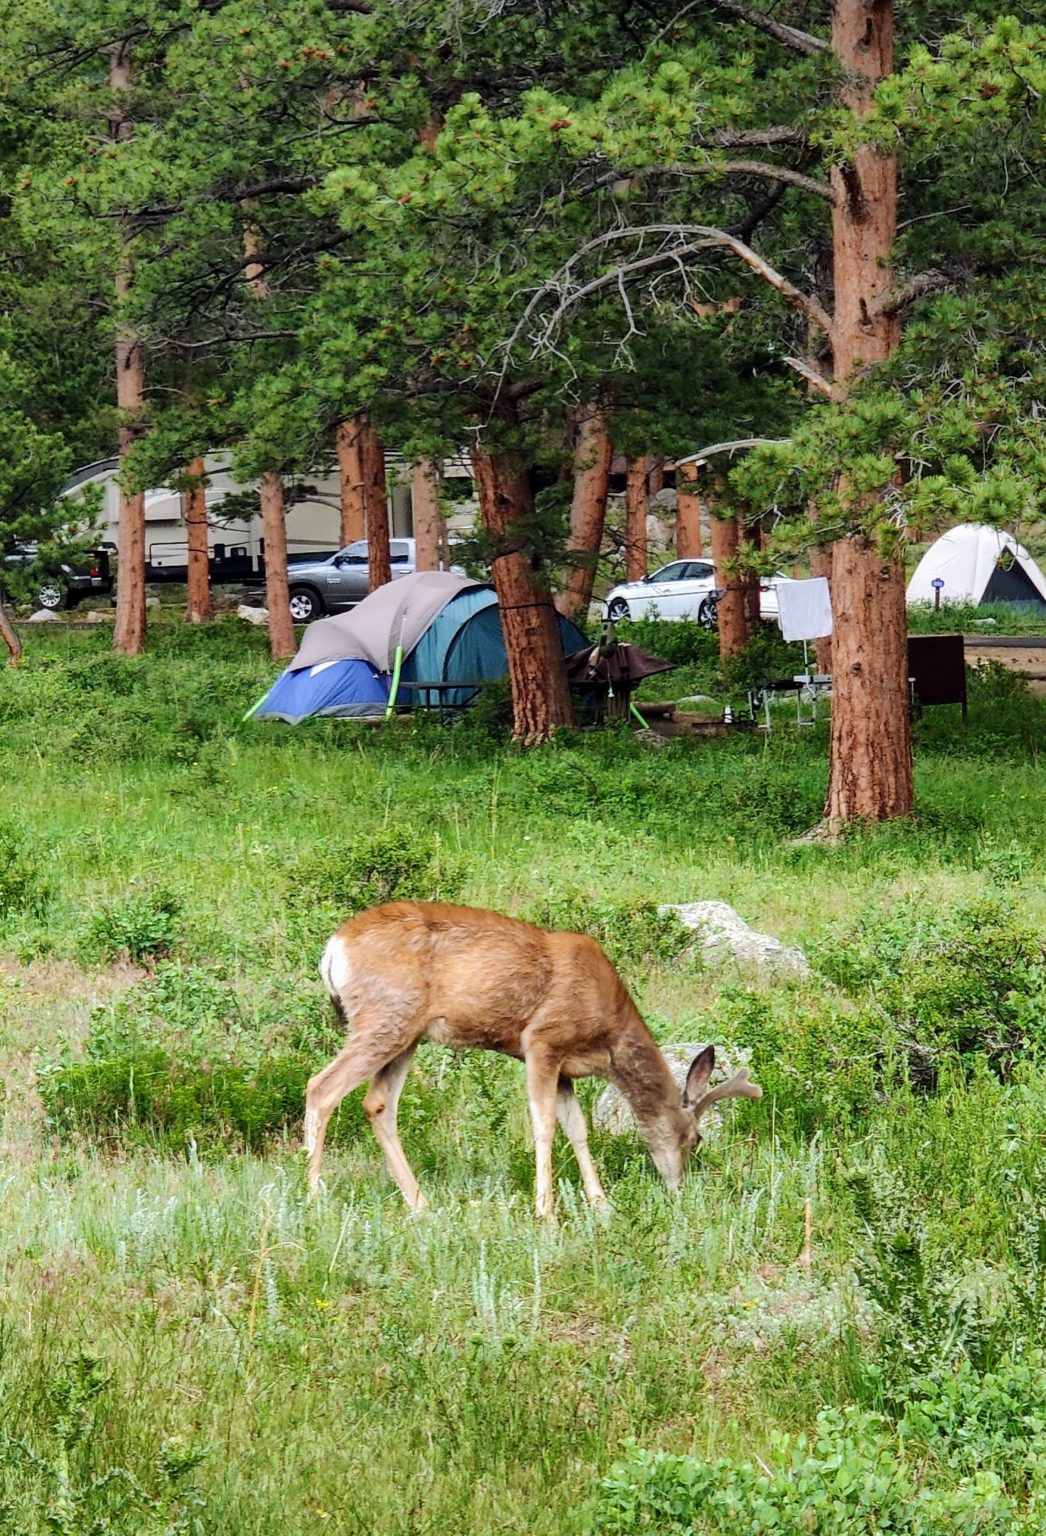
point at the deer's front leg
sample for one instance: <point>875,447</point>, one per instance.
<point>542,1084</point>
<point>572,1119</point>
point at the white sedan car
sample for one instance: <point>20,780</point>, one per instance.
<point>685,589</point>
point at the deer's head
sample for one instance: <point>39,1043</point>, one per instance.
<point>681,1132</point>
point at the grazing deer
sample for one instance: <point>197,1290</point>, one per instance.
<point>413,970</point>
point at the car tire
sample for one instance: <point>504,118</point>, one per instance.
<point>618,610</point>
<point>708,614</point>
<point>306,604</point>
<point>52,595</point>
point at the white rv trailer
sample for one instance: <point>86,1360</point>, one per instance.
<point>235,540</point>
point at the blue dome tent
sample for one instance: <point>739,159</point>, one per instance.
<point>433,627</point>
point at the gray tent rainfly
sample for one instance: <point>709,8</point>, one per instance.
<point>435,633</point>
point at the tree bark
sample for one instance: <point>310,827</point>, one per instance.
<point>752,533</point>
<point>733,619</point>
<point>688,513</point>
<point>129,629</point>
<point>536,669</point>
<point>376,500</point>
<point>199,607</point>
<point>636,566</point>
<point>9,634</point>
<point>424,501</point>
<point>270,489</point>
<point>655,475</point>
<point>277,593</point>
<point>871,751</point>
<point>350,481</point>
<point>870,771</point>
<point>592,455</point>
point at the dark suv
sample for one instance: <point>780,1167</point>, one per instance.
<point>66,583</point>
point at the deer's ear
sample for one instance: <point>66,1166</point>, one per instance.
<point>697,1078</point>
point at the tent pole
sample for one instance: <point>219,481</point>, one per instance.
<point>396,667</point>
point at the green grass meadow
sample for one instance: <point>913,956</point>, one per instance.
<point>188,1344</point>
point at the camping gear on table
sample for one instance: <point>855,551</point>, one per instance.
<point>611,669</point>
<point>435,635</point>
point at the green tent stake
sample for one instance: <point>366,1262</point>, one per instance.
<point>396,666</point>
<point>638,716</point>
<point>253,709</point>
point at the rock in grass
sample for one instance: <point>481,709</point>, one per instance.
<point>611,1112</point>
<point>252,615</point>
<point>724,935</point>
<point>43,616</point>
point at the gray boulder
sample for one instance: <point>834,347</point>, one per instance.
<point>43,616</point>
<point>252,615</point>
<point>724,935</point>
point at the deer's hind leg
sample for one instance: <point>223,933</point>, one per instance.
<point>381,1104</point>
<point>374,1045</point>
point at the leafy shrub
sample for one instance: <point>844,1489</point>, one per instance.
<point>679,640</point>
<point>990,685</point>
<point>966,979</point>
<point>820,1059</point>
<point>849,1476</point>
<point>764,657</point>
<point>142,924</point>
<point>633,933</point>
<point>175,1099</point>
<point>23,885</point>
<point>971,1420</point>
<point>393,864</point>
<point>56,1473</point>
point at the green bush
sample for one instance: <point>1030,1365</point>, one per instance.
<point>821,1060</point>
<point>848,1477</point>
<point>392,864</point>
<point>969,979</point>
<point>24,887</point>
<point>174,1100</point>
<point>634,934</point>
<point>141,924</point>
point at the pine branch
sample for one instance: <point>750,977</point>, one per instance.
<point>802,42</point>
<point>686,240</point>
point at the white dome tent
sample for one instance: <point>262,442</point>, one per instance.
<point>978,564</point>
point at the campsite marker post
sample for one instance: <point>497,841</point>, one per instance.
<point>937,583</point>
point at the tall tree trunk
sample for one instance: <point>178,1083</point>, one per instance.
<point>129,629</point>
<point>8,633</point>
<point>752,533</point>
<point>376,500</point>
<point>733,617</point>
<point>635,519</point>
<point>536,669</point>
<point>347,442</point>
<point>199,608</point>
<point>655,474</point>
<point>688,513</point>
<point>870,773</point>
<point>270,488</point>
<point>424,502</point>
<point>277,594</point>
<point>588,508</point>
